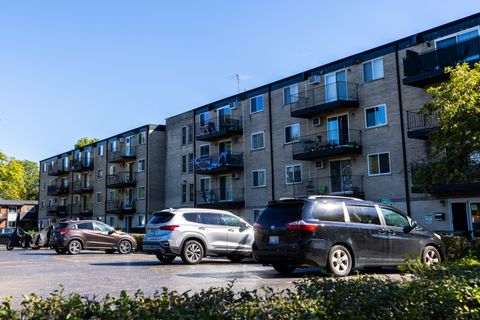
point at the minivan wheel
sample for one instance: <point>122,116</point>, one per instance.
<point>192,252</point>
<point>284,268</point>
<point>165,258</point>
<point>431,256</point>
<point>339,261</point>
<point>74,247</point>
<point>125,247</point>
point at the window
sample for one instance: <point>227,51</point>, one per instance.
<point>184,164</point>
<point>99,174</point>
<point>141,192</point>
<point>231,221</point>
<point>142,137</point>
<point>44,167</point>
<point>292,133</point>
<point>85,226</point>
<point>290,94</point>
<point>257,213</point>
<point>259,178</point>
<point>190,134</point>
<point>379,164</point>
<point>204,150</point>
<point>256,104</point>
<point>112,195</point>
<point>394,219</point>
<point>111,220</point>
<point>113,146</point>
<point>258,141</point>
<point>42,203</point>
<point>329,211</point>
<point>99,197</point>
<point>319,164</point>
<point>141,165</point>
<point>204,118</point>
<point>184,192</point>
<point>141,221</point>
<point>190,194</point>
<point>50,202</point>
<point>99,226</point>
<point>210,218</point>
<point>361,214</point>
<point>111,170</point>
<point>184,135</point>
<point>100,150</point>
<point>190,163</point>
<point>293,174</point>
<point>468,51</point>
<point>43,185</point>
<point>192,217</point>
<point>376,116</point>
<point>373,70</point>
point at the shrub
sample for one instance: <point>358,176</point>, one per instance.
<point>458,247</point>
<point>139,238</point>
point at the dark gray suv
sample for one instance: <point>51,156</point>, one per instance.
<point>340,233</point>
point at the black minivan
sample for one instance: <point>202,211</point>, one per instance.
<point>340,233</point>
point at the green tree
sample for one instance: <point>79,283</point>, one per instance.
<point>31,177</point>
<point>18,179</point>
<point>84,141</point>
<point>455,145</point>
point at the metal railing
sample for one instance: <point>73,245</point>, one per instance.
<point>58,209</point>
<point>58,189</point>
<point>217,162</point>
<point>85,163</point>
<point>220,195</point>
<point>56,169</point>
<point>417,120</point>
<point>121,206</point>
<point>437,59</point>
<point>223,124</point>
<point>80,209</point>
<point>123,152</point>
<point>327,140</point>
<point>121,179</point>
<point>82,186</point>
<point>342,184</point>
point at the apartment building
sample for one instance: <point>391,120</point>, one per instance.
<point>118,180</point>
<point>349,127</point>
<point>9,210</point>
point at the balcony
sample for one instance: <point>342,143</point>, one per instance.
<point>467,184</point>
<point>421,125</point>
<point>58,190</point>
<point>82,187</point>
<point>123,153</point>
<point>221,127</point>
<point>57,211</point>
<point>327,144</point>
<point>223,163</point>
<point>334,96</point>
<point>120,207</point>
<point>333,185</point>
<point>83,164</point>
<point>82,210</point>
<point>426,68</point>
<point>221,198</point>
<point>57,169</point>
<point>121,180</point>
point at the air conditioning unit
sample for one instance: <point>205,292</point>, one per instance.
<point>317,122</point>
<point>234,104</point>
<point>314,79</point>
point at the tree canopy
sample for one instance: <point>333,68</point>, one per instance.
<point>18,179</point>
<point>84,141</point>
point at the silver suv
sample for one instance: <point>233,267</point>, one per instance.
<point>196,233</point>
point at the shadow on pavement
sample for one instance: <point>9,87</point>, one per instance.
<point>126,264</point>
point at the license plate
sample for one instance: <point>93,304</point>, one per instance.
<point>273,240</point>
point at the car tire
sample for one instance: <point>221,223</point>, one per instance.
<point>235,258</point>
<point>74,247</point>
<point>284,268</point>
<point>9,245</point>
<point>192,252</point>
<point>340,261</point>
<point>165,258</point>
<point>431,256</point>
<point>60,251</point>
<point>125,247</point>
<point>110,251</point>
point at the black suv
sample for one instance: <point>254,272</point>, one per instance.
<point>339,233</point>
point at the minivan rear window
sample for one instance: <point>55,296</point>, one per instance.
<point>161,217</point>
<point>281,214</point>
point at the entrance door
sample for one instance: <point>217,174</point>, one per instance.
<point>127,223</point>
<point>341,176</point>
<point>128,199</point>
<point>475,210</point>
<point>337,133</point>
<point>129,172</point>
<point>224,115</point>
<point>129,146</point>
<point>225,146</point>
<point>336,86</point>
<point>226,188</point>
<point>459,217</point>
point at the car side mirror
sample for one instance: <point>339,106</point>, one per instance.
<point>111,231</point>
<point>412,226</point>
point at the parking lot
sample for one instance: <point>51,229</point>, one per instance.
<point>97,273</point>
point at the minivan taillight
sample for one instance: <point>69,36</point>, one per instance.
<point>300,225</point>
<point>62,231</point>
<point>169,228</point>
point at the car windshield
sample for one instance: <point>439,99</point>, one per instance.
<point>281,214</point>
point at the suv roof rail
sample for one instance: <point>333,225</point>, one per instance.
<point>283,200</point>
<point>333,197</point>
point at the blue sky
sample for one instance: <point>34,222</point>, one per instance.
<point>96,68</point>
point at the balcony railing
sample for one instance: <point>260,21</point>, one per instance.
<point>425,68</point>
<point>225,162</point>
<point>420,125</point>
<point>57,169</point>
<point>323,99</point>
<point>221,198</point>
<point>58,210</point>
<point>58,189</point>
<point>327,144</point>
<point>220,127</point>
<point>123,152</point>
<point>82,164</point>
<point>85,186</point>
<point>82,210</point>
<point>121,206</point>
<point>121,180</point>
<point>332,185</point>
<point>467,181</point>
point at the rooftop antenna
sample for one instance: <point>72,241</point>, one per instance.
<point>238,77</point>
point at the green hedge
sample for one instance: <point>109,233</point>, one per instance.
<point>458,247</point>
<point>139,238</point>
<point>448,291</point>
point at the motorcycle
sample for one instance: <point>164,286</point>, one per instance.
<point>19,239</point>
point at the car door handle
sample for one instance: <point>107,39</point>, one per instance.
<point>382,231</point>
<point>392,232</point>
<point>201,228</point>
<point>231,230</point>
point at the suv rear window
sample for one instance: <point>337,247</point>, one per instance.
<point>363,214</point>
<point>329,211</point>
<point>281,213</point>
<point>161,217</point>
<point>61,226</point>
